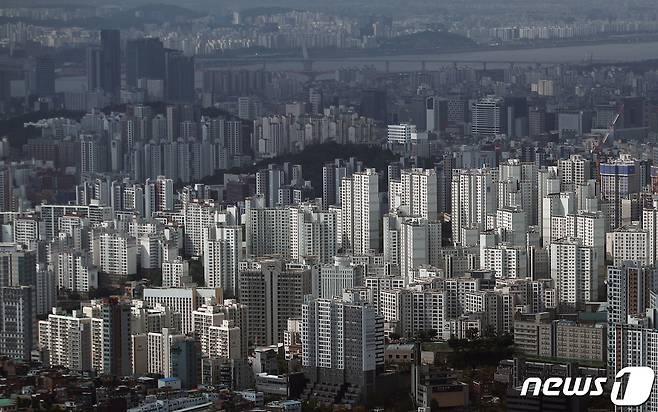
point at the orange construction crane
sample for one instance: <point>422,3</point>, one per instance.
<point>611,129</point>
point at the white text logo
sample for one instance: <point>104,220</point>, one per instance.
<point>638,386</point>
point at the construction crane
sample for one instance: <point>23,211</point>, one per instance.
<point>611,129</point>
<point>598,147</point>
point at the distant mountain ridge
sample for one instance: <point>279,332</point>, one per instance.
<point>151,13</point>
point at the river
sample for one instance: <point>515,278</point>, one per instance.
<point>607,52</point>
<point>610,52</point>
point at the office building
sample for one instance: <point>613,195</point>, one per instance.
<point>179,77</point>
<point>400,133</point>
<point>44,73</point>
<point>336,277</point>
<point>18,265</point>
<point>110,335</point>
<point>488,117</point>
<point>174,356</point>
<point>144,60</point>
<point>111,62</point>
<point>436,114</point>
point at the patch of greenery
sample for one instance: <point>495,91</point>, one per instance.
<point>18,135</point>
<point>485,351</point>
<point>196,271</point>
<point>312,158</point>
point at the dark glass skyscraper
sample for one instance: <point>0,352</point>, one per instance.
<point>373,104</point>
<point>144,60</point>
<point>516,110</point>
<point>94,68</point>
<point>179,77</point>
<point>111,59</point>
<point>44,76</point>
<point>632,113</point>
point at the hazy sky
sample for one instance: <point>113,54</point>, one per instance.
<point>594,9</point>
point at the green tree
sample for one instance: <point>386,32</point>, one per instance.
<point>471,334</point>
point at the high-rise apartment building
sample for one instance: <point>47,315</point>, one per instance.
<point>175,272</point>
<point>74,270</point>
<point>417,190</point>
<point>313,233</point>
<point>222,251</point>
<point>360,212</point>
<point>342,343</point>
<point>66,340</point>
<point>274,291</point>
<point>474,196</point>
<point>629,243</point>
<point>619,178</point>
<point>18,324</point>
<point>198,216</point>
<point>114,252</point>
<point>173,355</point>
<point>573,269</point>
<point>183,301</point>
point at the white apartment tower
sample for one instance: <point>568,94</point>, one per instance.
<point>74,270</point>
<point>419,189</point>
<point>574,271</point>
<point>360,212</point>
<point>629,243</point>
<point>343,338</point>
<point>574,171</point>
<point>114,252</point>
<point>474,196</point>
<point>67,339</point>
<point>222,250</point>
<point>313,233</point>
<point>174,272</point>
<point>198,215</point>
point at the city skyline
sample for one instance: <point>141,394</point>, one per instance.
<point>312,207</point>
